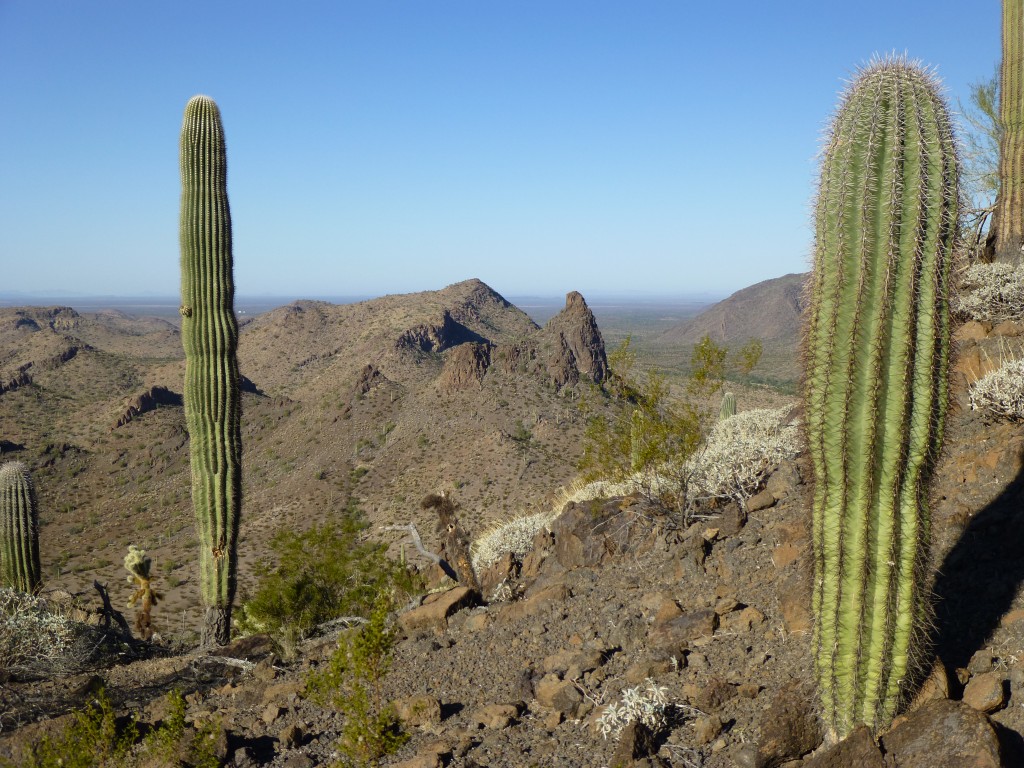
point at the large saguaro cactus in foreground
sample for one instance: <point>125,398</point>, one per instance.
<point>19,529</point>
<point>1009,214</point>
<point>877,349</point>
<point>209,332</point>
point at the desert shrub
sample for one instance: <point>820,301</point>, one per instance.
<point>352,684</point>
<point>97,738</point>
<point>991,292</point>
<point>648,705</point>
<point>515,536</point>
<point>321,575</point>
<point>1001,391</point>
<point>731,463</point>
<point>37,636</point>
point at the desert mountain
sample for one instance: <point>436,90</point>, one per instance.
<point>384,401</point>
<point>769,311</point>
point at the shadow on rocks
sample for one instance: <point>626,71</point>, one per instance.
<point>979,578</point>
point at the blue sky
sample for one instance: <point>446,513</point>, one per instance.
<point>651,146</point>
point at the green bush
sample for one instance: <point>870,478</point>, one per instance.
<point>323,574</point>
<point>97,738</point>
<point>352,683</point>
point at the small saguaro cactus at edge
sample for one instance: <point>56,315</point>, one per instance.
<point>19,529</point>
<point>875,394</point>
<point>209,333</point>
<point>1009,214</point>
<point>728,407</point>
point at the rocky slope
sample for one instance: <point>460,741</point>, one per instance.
<point>385,401</point>
<point>619,592</point>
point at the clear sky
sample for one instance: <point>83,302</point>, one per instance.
<point>381,146</point>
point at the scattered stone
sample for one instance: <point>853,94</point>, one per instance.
<point>709,695</point>
<point>784,480</point>
<point>436,609</point>
<point>789,727</point>
<point>748,690</point>
<point>636,742</point>
<point>858,749</point>
<point>282,692</point>
<point>943,734</point>
<point>652,668</point>
<point>675,636</point>
<point>973,330</point>
<point>935,687</point>
<point>291,736</point>
<point>707,729</point>
<point>1008,328</point>
<point>272,712</point>
<point>496,716</point>
<point>559,695</point>
<point>760,501</point>
<point>987,692</point>
<point>981,662</point>
<point>421,711</point>
<point>732,519</point>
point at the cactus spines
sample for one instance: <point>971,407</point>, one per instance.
<point>209,333</point>
<point>728,407</point>
<point>877,347</point>
<point>19,529</point>
<point>1009,214</point>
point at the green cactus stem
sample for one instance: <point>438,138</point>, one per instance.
<point>877,353</point>
<point>209,333</point>
<point>728,408</point>
<point>1009,214</point>
<point>19,534</point>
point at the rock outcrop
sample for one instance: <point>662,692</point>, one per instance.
<point>437,337</point>
<point>465,366</point>
<point>147,401</point>
<point>572,345</point>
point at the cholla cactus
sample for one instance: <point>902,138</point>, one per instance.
<point>19,529</point>
<point>139,564</point>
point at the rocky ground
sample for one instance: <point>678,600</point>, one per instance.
<point>618,593</point>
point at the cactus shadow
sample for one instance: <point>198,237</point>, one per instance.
<point>979,578</point>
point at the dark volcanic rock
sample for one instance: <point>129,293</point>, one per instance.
<point>437,337</point>
<point>943,734</point>
<point>465,366</point>
<point>147,401</point>
<point>857,749</point>
<point>578,347</point>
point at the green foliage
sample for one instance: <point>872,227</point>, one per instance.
<point>651,428</point>
<point>750,355</point>
<point>322,574</point>
<point>97,738</point>
<point>352,683</point>
<point>19,529</point>
<point>209,334</point>
<point>877,382</point>
<point>981,137</point>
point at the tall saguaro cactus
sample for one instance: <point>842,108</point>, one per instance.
<point>19,529</point>
<point>1009,214</point>
<point>877,350</point>
<point>209,332</point>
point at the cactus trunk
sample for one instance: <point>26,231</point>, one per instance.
<point>19,535</point>
<point>877,350</point>
<point>209,332</point>
<point>1009,214</point>
<point>728,407</point>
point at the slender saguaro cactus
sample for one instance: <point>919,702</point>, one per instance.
<point>728,407</point>
<point>877,351</point>
<point>209,332</point>
<point>1009,214</point>
<point>19,529</point>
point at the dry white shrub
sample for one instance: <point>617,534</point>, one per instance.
<point>1001,391</point>
<point>35,636</point>
<point>992,292</point>
<point>733,462</point>
<point>515,536</point>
